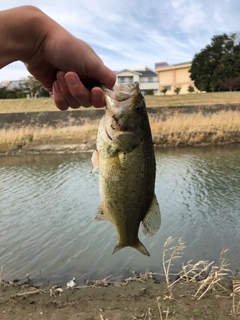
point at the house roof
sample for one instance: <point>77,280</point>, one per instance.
<point>145,73</point>
<point>173,66</point>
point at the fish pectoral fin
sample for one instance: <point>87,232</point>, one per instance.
<point>152,221</point>
<point>95,161</point>
<point>100,215</point>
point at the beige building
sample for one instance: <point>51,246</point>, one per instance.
<point>175,75</point>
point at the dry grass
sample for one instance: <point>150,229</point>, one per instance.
<point>191,129</point>
<point>47,104</point>
<point>13,137</point>
<point>177,129</point>
<point>28,105</point>
<point>206,273</point>
<point>200,99</point>
<point>236,297</point>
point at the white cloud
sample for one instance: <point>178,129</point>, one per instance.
<point>138,32</point>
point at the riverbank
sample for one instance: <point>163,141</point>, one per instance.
<point>139,297</point>
<point>76,131</point>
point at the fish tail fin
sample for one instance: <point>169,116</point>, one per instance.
<point>117,248</point>
<point>140,247</point>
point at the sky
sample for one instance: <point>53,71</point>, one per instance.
<point>130,33</point>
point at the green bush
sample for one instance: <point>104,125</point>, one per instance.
<point>20,95</point>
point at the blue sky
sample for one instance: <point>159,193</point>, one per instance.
<point>129,33</point>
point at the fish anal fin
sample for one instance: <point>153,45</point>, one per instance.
<point>100,216</point>
<point>152,221</point>
<point>95,161</point>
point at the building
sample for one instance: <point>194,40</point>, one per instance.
<point>175,75</point>
<point>147,78</point>
<point>12,84</point>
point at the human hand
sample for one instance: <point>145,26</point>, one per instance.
<point>69,69</point>
<point>66,66</point>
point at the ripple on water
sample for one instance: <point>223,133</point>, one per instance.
<point>47,206</point>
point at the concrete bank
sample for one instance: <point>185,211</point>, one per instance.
<point>78,117</point>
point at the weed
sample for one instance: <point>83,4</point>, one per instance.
<point>197,312</point>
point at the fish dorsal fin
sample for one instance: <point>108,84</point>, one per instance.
<point>95,161</point>
<point>152,221</point>
<point>100,215</point>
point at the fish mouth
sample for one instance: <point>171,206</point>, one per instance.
<point>108,135</point>
<point>122,92</point>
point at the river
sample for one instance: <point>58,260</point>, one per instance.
<point>48,204</point>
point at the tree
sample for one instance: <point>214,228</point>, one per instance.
<point>217,64</point>
<point>177,90</point>
<point>3,93</point>
<point>164,90</point>
<point>32,86</point>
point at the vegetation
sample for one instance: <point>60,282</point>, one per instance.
<point>27,87</point>
<point>217,67</point>
<point>174,130</point>
<point>177,90</point>
<point>164,90</point>
<point>190,89</point>
<point>47,104</point>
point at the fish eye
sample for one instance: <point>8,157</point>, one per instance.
<point>138,108</point>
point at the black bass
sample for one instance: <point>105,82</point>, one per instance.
<point>126,162</point>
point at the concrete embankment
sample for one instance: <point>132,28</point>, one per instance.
<point>78,117</point>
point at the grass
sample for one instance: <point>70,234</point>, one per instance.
<point>177,129</point>
<point>201,99</point>
<point>168,129</point>
<point>17,137</point>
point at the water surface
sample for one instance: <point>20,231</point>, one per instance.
<point>47,206</point>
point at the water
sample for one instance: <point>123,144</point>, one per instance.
<point>47,206</point>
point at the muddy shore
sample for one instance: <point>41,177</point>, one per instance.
<point>140,297</point>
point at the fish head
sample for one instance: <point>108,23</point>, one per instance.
<point>125,109</point>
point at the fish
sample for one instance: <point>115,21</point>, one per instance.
<point>126,162</point>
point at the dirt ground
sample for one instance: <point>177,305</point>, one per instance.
<point>135,298</point>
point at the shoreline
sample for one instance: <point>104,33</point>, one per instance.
<point>137,297</point>
<point>73,147</point>
<point>56,132</point>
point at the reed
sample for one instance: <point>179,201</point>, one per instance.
<point>236,297</point>
<point>193,129</point>
<point>13,137</point>
<point>177,129</point>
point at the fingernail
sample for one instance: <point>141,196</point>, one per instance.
<point>71,79</point>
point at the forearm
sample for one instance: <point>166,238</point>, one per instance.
<point>22,31</point>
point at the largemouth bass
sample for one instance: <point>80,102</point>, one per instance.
<point>126,162</point>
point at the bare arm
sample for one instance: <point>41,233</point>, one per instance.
<point>66,66</point>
